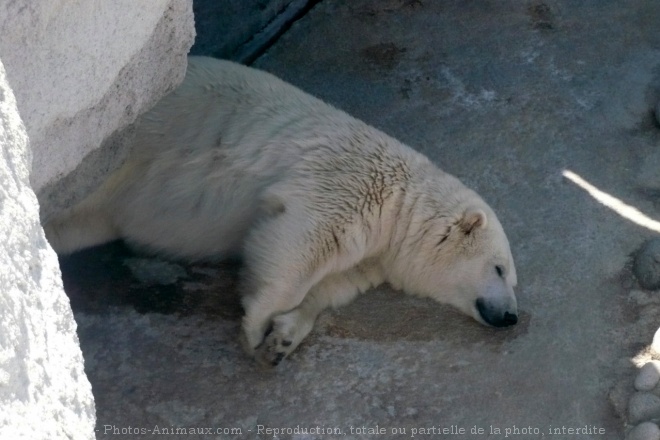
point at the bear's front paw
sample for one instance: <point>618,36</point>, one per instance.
<point>273,349</point>
<point>287,332</point>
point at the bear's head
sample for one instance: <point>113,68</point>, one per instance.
<point>460,258</point>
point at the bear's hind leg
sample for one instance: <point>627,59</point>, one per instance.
<point>80,227</point>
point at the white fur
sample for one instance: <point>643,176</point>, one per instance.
<point>320,205</point>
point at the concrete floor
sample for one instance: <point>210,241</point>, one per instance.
<point>507,96</point>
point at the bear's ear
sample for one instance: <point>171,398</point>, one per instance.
<point>473,219</point>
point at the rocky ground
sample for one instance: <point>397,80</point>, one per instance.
<point>547,110</point>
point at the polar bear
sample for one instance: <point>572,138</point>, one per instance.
<point>320,206</point>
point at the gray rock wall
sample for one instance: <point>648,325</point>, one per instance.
<point>44,393</point>
<point>73,76</point>
<point>83,71</point>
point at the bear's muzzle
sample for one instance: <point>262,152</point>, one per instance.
<point>497,315</point>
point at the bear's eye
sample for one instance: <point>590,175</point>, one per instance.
<point>500,271</point>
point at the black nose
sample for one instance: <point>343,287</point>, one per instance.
<point>494,316</point>
<point>510,319</point>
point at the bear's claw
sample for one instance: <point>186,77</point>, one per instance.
<point>273,350</point>
<point>284,334</point>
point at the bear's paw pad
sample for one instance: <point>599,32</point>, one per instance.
<point>279,342</point>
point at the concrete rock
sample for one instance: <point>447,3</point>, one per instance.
<point>648,376</point>
<point>657,112</point>
<point>44,392</point>
<point>643,406</point>
<point>642,298</point>
<point>81,71</point>
<point>644,431</point>
<point>154,271</point>
<point>646,265</point>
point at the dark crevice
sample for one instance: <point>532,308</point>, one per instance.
<point>263,40</point>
